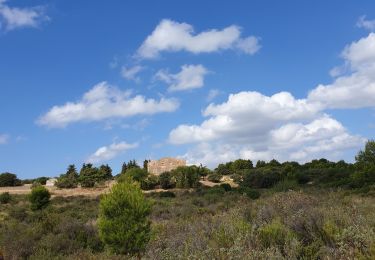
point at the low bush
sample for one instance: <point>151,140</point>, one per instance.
<point>66,183</point>
<point>5,198</point>
<point>262,178</point>
<point>87,183</point>
<point>251,193</point>
<point>39,198</point>
<point>275,234</point>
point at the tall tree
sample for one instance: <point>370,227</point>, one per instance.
<point>366,157</point>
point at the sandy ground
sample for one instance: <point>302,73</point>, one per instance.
<point>91,192</point>
<point>57,192</point>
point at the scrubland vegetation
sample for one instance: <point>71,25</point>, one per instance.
<point>318,210</point>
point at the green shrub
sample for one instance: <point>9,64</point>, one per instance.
<point>39,198</point>
<point>167,194</point>
<point>137,174</point>
<point>216,190</point>
<point>251,193</point>
<point>87,183</point>
<point>274,234</point>
<point>41,180</point>
<point>166,180</point>
<point>5,198</point>
<point>215,177</point>
<point>150,182</point>
<point>123,219</point>
<point>186,176</point>
<point>262,178</point>
<point>65,182</point>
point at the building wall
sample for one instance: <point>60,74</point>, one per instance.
<point>163,165</point>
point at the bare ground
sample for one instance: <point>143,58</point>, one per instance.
<point>90,192</point>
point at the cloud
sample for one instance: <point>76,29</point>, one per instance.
<point>366,24</point>
<point>245,116</point>
<point>190,77</point>
<point>102,102</point>
<point>356,89</point>
<point>131,73</point>
<point>171,36</point>
<point>13,17</point>
<point>253,126</point>
<point>106,153</point>
<point>4,138</point>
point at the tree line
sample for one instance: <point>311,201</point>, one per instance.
<point>259,175</point>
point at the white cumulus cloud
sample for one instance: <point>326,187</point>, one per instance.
<point>104,101</point>
<point>245,116</point>
<point>172,36</point>
<point>253,126</point>
<point>190,77</point>
<point>13,17</point>
<point>355,89</point>
<point>106,153</point>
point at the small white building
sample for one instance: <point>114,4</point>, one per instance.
<point>51,182</point>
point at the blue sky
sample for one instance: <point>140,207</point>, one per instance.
<point>209,82</point>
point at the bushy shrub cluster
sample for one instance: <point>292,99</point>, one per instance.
<point>39,197</point>
<point>9,179</point>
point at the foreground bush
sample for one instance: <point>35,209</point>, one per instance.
<point>123,219</point>
<point>5,198</point>
<point>39,198</point>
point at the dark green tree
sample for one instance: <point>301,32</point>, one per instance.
<point>123,221</point>
<point>124,168</point>
<point>104,173</point>
<point>366,157</point>
<point>72,172</point>
<point>260,164</point>
<point>88,175</point>
<point>241,164</point>
<point>145,163</point>
<point>9,179</point>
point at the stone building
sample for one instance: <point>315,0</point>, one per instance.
<point>164,165</point>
